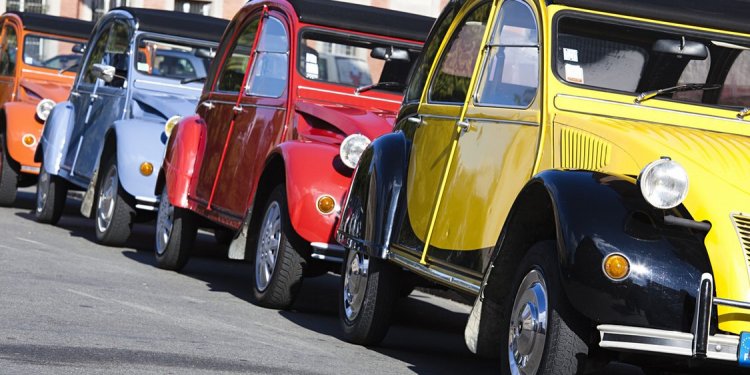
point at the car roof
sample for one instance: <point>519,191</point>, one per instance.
<point>364,19</point>
<point>186,25</point>
<point>55,25</point>
<point>718,14</point>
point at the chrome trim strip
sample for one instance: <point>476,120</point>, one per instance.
<point>501,121</point>
<point>328,251</point>
<point>146,208</point>
<point>281,108</point>
<point>148,199</point>
<point>47,74</point>
<point>429,272</point>
<point>30,169</point>
<point>327,246</point>
<point>345,94</point>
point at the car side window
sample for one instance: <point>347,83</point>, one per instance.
<point>510,75</point>
<point>736,86</point>
<point>9,52</point>
<point>271,66</point>
<point>112,49</point>
<point>452,77</point>
<point>233,70</point>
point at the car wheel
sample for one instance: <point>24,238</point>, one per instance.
<point>544,333</point>
<point>51,192</point>
<point>114,212</point>
<point>8,178</point>
<point>369,289</point>
<point>175,234</point>
<point>278,267</point>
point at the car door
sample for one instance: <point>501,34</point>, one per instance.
<point>496,152</point>
<point>108,102</point>
<point>8,61</point>
<point>219,107</point>
<point>259,125</point>
<point>441,110</point>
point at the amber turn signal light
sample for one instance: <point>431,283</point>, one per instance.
<point>28,140</point>
<point>616,266</point>
<point>326,204</point>
<point>147,168</point>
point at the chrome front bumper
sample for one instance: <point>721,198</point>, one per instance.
<point>699,343</point>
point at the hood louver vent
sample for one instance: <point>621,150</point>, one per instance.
<point>742,224</point>
<point>583,151</point>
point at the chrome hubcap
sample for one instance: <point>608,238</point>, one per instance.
<point>355,283</point>
<point>268,246</point>
<point>164,223</point>
<point>106,203</point>
<point>42,191</point>
<point>528,325</point>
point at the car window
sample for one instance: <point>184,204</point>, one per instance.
<point>172,59</point>
<point>271,66</point>
<point>111,49</point>
<point>452,77</point>
<point>736,88</point>
<point>9,49</point>
<point>233,71</point>
<point>696,71</point>
<point>511,73</point>
<point>52,53</point>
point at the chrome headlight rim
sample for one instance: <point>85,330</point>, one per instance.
<point>350,154</point>
<point>43,108</point>
<point>668,176</point>
<point>170,124</point>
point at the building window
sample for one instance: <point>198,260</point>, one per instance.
<point>192,6</point>
<point>101,7</point>
<point>31,6</point>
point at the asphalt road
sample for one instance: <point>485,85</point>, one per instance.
<point>70,306</point>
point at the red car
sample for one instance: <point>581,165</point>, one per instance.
<point>296,92</point>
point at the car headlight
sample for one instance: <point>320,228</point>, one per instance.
<point>664,183</point>
<point>352,148</point>
<point>44,108</point>
<point>170,124</point>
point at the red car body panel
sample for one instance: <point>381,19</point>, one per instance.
<point>216,158</point>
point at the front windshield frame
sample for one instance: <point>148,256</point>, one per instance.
<point>169,39</point>
<point>57,38</point>
<point>413,48</point>
<point>648,25</point>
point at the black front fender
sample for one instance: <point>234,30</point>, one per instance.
<point>367,220</point>
<point>598,214</point>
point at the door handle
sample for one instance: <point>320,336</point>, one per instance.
<point>208,105</point>
<point>465,126</point>
<point>75,94</point>
<point>238,109</point>
<point>415,120</point>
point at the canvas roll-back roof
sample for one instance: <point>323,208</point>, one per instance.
<point>186,25</point>
<point>364,19</point>
<point>55,25</point>
<point>730,15</point>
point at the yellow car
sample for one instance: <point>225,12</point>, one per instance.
<point>580,169</point>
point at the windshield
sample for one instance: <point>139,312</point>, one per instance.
<point>349,61</point>
<point>173,60</point>
<point>52,53</point>
<point>637,58</point>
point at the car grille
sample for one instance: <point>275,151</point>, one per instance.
<point>583,151</point>
<point>742,224</point>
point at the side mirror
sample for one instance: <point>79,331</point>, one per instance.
<point>681,48</point>
<point>103,71</point>
<point>390,54</point>
<point>79,48</point>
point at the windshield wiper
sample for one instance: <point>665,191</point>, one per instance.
<point>387,85</point>
<point>191,80</point>
<point>646,95</point>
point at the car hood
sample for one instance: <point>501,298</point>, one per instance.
<point>370,122</point>
<point>165,104</point>
<point>47,90</point>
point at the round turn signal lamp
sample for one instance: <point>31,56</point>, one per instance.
<point>147,168</point>
<point>326,204</point>
<point>28,140</point>
<point>616,266</point>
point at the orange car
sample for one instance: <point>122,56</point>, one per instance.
<point>39,57</point>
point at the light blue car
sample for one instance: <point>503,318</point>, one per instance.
<point>142,69</point>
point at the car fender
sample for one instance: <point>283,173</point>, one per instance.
<point>369,216</point>
<point>55,137</point>
<point>312,170</point>
<point>181,159</point>
<point>139,141</point>
<point>21,119</point>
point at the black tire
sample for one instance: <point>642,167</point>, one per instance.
<point>118,207</point>
<point>279,287</point>
<point>223,236</point>
<point>370,323</point>
<point>565,349</point>
<point>8,178</point>
<point>173,249</point>
<point>51,193</point>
